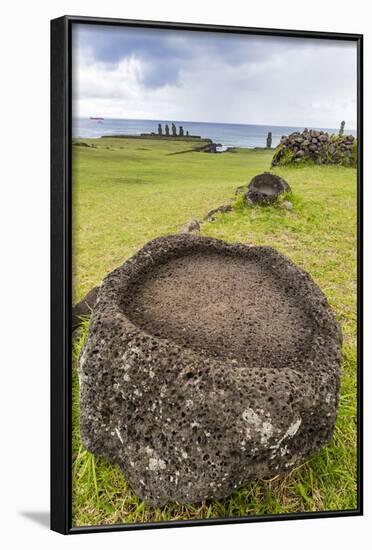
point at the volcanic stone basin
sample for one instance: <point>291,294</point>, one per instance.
<point>265,188</point>
<point>207,365</point>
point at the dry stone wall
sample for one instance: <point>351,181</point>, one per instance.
<point>316,146</point>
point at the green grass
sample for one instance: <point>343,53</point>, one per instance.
<point>134,191</point>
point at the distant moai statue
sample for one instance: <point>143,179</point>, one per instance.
<point>269,140</point>
<point>160,130</point>
<point>181,130</point>
<point>166,130</point>
<point>342,128</point>
<point>187,133</point>
<point>174,129</point>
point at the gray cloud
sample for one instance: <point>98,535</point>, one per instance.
<point>213,77</point>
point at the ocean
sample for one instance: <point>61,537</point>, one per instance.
<point>228,135</point>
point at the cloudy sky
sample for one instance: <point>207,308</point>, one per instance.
<point>120,72</point>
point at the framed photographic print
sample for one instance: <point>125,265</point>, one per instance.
<point>206,274</point>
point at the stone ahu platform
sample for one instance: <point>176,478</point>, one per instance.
<point>208,365</point>
<point>156,136</point>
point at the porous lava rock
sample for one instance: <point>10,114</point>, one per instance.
<point>265,188</point>
<point>207,365</point>
<point>316,146</point>
<point>286,205</point>
<point>83,309</point>
<point>191,226</point>
<point>223,209</point>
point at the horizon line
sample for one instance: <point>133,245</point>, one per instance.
<point>206,122</point>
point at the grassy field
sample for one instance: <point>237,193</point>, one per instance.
<point>126,192</point>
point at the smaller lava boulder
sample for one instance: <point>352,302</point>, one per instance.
<point>191,226</point>
<point>84,308</point>
<point>265,188</point>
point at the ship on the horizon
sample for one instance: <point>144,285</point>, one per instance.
<point>96,118</point>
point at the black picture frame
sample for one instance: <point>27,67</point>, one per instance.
<point>61,280</point>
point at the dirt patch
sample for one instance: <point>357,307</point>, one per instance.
<point>229,306</point>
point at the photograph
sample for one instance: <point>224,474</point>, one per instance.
<point>215,177</point>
